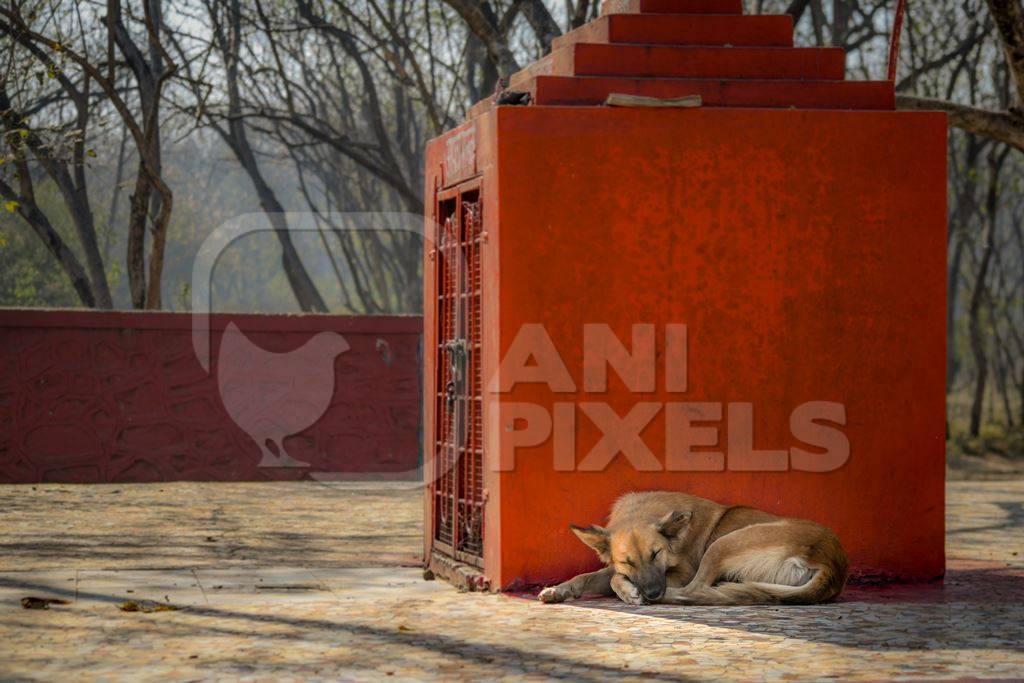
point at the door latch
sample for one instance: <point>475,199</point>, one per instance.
<point>456,351</point>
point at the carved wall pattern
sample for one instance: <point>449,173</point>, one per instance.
<point>91,397</point>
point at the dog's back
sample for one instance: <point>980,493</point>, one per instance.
<point>639,507</point>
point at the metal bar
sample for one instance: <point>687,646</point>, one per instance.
<point>894,40</point>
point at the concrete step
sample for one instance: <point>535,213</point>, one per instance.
<point>672,7</point>
<point>685,29</point>
<point>810,94</point>
<point>662,61</point>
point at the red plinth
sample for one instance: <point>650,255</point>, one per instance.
<point>805,253</point>
<point>675,29</point>
<point>795,225</point>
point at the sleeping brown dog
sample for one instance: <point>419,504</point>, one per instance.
<point>675,548</point>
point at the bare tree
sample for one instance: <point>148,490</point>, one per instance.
<point>38,133</point>
<point>349,93</point>
<point>151,196</point>
<point>229,121</point>
<point>1004,125</point>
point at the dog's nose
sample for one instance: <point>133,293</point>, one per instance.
<point>652,594</point>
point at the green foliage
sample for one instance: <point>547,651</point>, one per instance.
<point>28,275</point>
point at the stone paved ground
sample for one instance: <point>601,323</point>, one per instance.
<point>315,581</point>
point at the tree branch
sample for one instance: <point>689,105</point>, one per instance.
<point>1001,126</point>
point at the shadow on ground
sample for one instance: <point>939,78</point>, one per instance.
<point>972,609</point>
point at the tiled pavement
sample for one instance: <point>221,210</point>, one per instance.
<point>309,581</point>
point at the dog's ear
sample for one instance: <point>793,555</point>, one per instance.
<point>672,523</point>
<point>594,536</point>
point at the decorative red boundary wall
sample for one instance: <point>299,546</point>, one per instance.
<point>90,396</point>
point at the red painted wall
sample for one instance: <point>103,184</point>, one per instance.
<point>808,262</point>
<point>88,396</point>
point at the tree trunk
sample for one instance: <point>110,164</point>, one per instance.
<point>481,20</point>
<point>1001,382</point>
<point>306,293</point>
<point>152,199</point>
<point>159,208</point>
<point>953,288</point>
<point>115,198</point>
<point>136,255</point>
<point>75,188</point>
<point>542,23</point>
<point>995,162</point>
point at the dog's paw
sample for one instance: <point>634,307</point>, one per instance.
<point>551,594</point>
<point>633,599</point>
<point>627,592</point>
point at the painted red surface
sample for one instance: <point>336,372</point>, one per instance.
<point>670,61</point>
<point>89,396</point>
<point>673,29</point>
<point>804,249</point>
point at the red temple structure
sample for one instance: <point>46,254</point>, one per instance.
<point>744,301</point>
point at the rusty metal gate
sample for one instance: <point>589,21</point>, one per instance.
<point>458,491</point>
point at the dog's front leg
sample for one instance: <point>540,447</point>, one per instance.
<point>596,583</point>
<point>626,591</point>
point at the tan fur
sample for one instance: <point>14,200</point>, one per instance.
<point>675,548</point>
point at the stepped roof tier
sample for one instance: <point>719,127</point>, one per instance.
<point>673,48</point>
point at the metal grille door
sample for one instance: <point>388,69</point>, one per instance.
<point>458,451</point>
